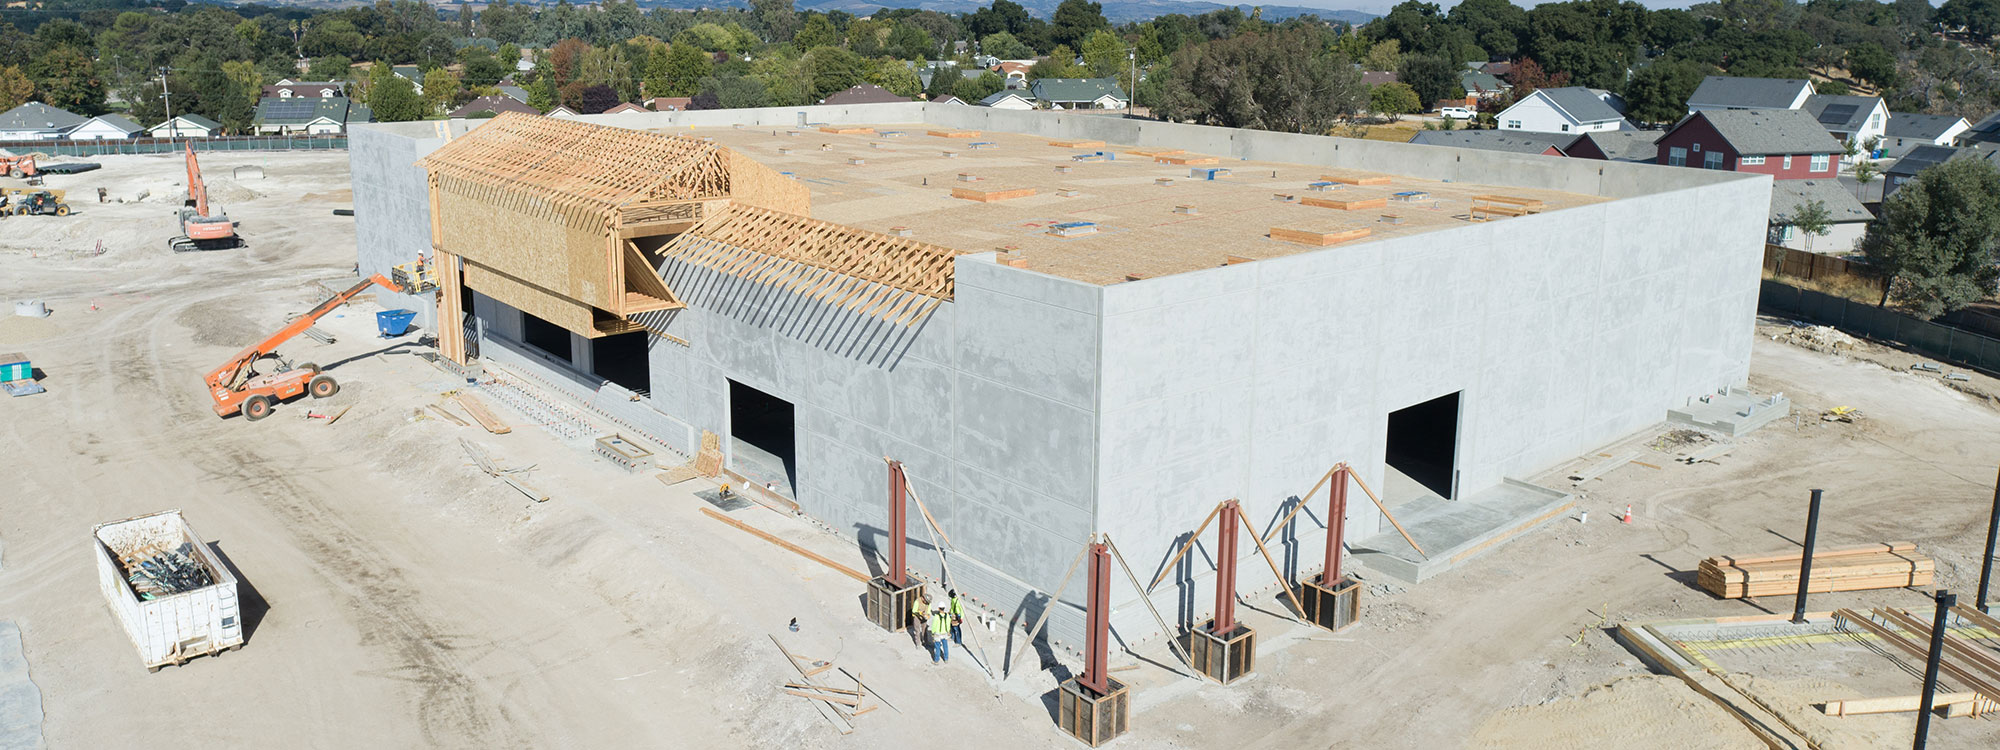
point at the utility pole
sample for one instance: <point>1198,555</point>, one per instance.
<point>1805,561</point>
<point>1986,563</point>
<point>173,129</point>
<point>1132,97</point>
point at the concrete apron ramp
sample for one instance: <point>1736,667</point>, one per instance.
<point>20,700</point>
<point>1453,532</point>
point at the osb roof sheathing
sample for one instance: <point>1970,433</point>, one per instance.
<point>906,181</point>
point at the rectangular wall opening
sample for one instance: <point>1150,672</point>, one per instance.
<point>1423,444</point>
<point>762,438</point>
<point>548,337</point>
<point>621,359</point>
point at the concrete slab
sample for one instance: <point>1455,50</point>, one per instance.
<point>20,700</point>
<point>1736,413</point>
<point>1454,532</point>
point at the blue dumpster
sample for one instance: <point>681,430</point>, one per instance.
<point>394,323</point>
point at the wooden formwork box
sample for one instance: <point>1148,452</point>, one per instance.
<point>889,606</point>
<point>1331,608</point>
<point>1093,718</point>
<point>1224,659</point>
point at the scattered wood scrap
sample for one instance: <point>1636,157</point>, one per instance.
<point>1886,565</point>
<point>485,464</point>
<point>678,475</point>
<point>1972,704</point>
<point>472,405</point>
<point>448,416</point>
<point>835,713</point>
<point>796,549</point>
<point>1970,666</point>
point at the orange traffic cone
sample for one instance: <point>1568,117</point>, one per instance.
<point>1628,514</point>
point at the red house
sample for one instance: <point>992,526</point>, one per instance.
<point>1788,144</point>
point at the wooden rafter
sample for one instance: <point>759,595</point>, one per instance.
<point>580,166</point>
<point>872,274</point>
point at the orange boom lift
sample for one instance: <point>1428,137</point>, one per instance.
<point>237,387</point>
<point>200,231</point>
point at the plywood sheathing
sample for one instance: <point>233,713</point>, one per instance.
<point>1154,153</point>
<point>954,133</point>
<point>1348,204</point>
<point>891,278</point>
<point>989,196</point>
<point>908,188</point>
<point>1185,160</point>
<point>839,130</point>
<point>1317,237</point>
<point>1356,178</point>
<point>1077,144</point>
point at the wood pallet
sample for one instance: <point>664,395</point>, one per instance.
<point>954,133</point>
<point>838,130</point>
<point>1317,238</point>
<point>1077,144</point>
<point>990,196</point>
<point>1355,179</point>
<point>1356,204</point>
<point>1873,566</point>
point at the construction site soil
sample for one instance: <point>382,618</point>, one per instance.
<point>396,596</point>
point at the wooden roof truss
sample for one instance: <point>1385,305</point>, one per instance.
<point>579,165</point>
<point>872,274</point>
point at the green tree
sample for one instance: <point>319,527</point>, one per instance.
<point>482,67</point>
<point>971,90</point>
<point>1812,219</point>
<point>330,68</point>
<point>440,91</point>
<point>1394,99</point>
<point>1433,78</point>
<point>1981,17</point>
<point>15,88</point>
<point>541,95</point>
<point>1659,92</point>
<point>832,69</point>
<point>778,18</point>
<point>680,72</point>
<point>66,78</point>
<point>892,74</point>
<point>1936,235</point>
<point>1061,63</point>
<point>1384,55</point>
<point>735,92</point>
<point>1005,46</point>
<point>392,97</point>
<point>1074,20</point>
<point>1283,81</point>
<point>910,43</point>
<point>1864,173</point>
<point>817,31</point>
<point>1104,54</point>
<point>1873,64</point>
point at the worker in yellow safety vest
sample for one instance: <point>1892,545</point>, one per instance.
<point>956,609</point>
<point>919,616</point>
<point>940,646</point>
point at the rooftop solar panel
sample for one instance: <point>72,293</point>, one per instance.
<point>1837,114</point>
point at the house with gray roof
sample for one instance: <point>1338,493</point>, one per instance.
<point>1788,144</point>
<point>106,128</point>
<point>1907,131</point>
<point>1852,119</point>
<point>1730,92</point>
<point>1987,130</point>
<point>1569,109</point>
<point>1015,99</point>
<point>865,93</point>
<point>1638,146</point>
<point>1847,219</point>
<point>1515,142</point>
<point>1482,85</point>
<point>1078,93</point>
<point>513,92</point>
<point>1926,156</point>
<point>186,126</point>
<point>328,116</point>
<point>36,121</point>
<point>491,106</point>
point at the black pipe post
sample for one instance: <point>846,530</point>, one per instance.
<point>1805,563</point>
<point>1945,601</point>
<point>1986,563</point>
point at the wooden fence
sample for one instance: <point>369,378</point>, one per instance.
<point>1785,261</point>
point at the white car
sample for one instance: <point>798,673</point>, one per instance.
<point>1457,113</point>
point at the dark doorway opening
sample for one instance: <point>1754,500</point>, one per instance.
<point>546,336</point>
<point>621,359</point>
<point>762,437</point>
<point>1423,443</point>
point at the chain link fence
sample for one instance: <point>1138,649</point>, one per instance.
<point>1923,337</point>
<point>174,145</point>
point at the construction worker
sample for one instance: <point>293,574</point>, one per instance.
<point>919,620</point>
<point>956,609</point>
<point>940,646</point>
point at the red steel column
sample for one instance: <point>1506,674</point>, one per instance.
<point>1225,569</point>
<point>1097,622</point>
<point>897,574</point>
<point>1336,527</point>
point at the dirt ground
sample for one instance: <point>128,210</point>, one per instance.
<point>395,596</point>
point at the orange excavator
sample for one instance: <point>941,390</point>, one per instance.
<point>200,231</point>
<point>237,387</point>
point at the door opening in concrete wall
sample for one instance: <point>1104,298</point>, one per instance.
<point>546,336</point>
<point>762,437</point>
<point>621,359</point>
<point>1423,443</point>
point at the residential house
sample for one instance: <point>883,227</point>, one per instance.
<point>1788,144</point>
<point>1007,100</point>
<point>512,91</point>
<point>561,111</point>
<point>1079,93</point>
<point>625,107</point>
<point>1987,130</point>
<point>36,121</point>
<point>1907,131</point>
<point>1500,68</point>
<point>1926,156</point>
<point>1730,92</point>
<point>1639,146</point>
<point>1377,77</point>
<point>329,116</point>
<point>186,126</point>
<point>1518,142</point>
<point>865,93</point>
<point>1569,109</point>
<point>1013,70</point>
<point>106,128</point>
<point>949,99</point>
<point>410,73</point>
<point>287,88</point>
<point>1847,218</point>
<point>1851,119</point>
<point>671,103</point>
<point>1482,86</point>
<point>491,106</point>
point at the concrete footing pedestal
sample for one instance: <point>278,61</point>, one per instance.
<point>1224,659</point>
<point>1331,608</point>
<point>889,606</point>
<point>1093,718</point>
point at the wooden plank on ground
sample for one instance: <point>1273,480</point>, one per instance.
<point>472,405</point>
<point>1894,704</point>
<point>832,714</point>
<point>450,417</point>
<point>774,539</point>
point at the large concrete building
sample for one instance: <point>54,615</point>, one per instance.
<point>1057,341</point>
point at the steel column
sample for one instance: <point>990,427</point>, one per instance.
<point>1096,622</point>
<point>1336,527</point>
<point>1805,563</point>
<point>898,573</point>
<point>1945,601</point>
<point>1986,563</point>
<point>1225,568</point>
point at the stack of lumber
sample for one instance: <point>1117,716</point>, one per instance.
<point>708,462</point>
<point>1885,565</point>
